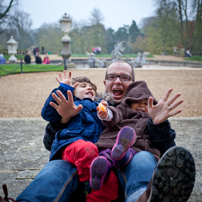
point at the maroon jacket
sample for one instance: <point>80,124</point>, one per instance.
<point>123,115</point>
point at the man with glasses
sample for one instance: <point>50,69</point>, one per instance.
<point>58,180</point>
<point>118,77</point>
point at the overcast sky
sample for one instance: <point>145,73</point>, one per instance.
<point>116,12</point>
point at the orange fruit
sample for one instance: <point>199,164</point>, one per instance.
<point>101,107</point>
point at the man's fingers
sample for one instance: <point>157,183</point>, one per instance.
<point>173,106</point>
<point>173,98</point>
<point>165,97</point>
<point>175,112</point>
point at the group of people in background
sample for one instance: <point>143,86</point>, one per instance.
<point>38,59</point>
<point>96,50</point>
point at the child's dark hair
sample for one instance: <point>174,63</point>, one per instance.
<point>82,79</point>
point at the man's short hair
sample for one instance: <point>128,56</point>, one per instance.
<point>82,79</point>
<point>121,61</point>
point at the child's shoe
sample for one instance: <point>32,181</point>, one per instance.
<point>125,139</point>
<point>98,171</point>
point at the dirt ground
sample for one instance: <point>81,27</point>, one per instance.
<point>23,95</point>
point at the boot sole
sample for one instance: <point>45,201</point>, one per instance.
<point>125,139</point>
<point>98,172</point>
<point>174,176</point>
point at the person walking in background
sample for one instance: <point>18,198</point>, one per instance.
<point>42,50</point>
<point>34,51</point>
<point>37,49</point>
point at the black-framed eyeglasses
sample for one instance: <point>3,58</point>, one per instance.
<point>122,77</point>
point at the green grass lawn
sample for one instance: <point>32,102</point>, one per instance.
<point>16,68</point>
<point>194,58</point>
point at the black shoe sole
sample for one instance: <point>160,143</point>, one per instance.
<point>174,176</point>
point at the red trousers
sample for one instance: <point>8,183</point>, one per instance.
<point>108,192</point>
<point>81,153</point>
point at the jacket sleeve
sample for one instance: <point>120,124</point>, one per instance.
<point>117,116</point>
<point>48,112</point>
<point>51,115</point>
<point>162,135</point>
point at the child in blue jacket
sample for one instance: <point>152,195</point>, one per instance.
<point>75,143</point>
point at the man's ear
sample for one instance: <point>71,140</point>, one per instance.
<point>104,84</point>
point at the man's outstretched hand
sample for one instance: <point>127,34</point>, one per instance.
<point>164,109</point>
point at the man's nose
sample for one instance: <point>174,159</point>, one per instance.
<point>118,80</point>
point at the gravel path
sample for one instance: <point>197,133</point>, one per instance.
<point>23,95</point>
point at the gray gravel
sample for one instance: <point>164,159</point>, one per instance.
<point>22,154</point>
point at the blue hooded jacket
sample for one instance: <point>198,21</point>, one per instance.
<point>85,125</point>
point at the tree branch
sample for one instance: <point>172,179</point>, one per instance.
<point>2,15</point>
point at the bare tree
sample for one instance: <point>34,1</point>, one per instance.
<point>190,22</point>
<point>189,18</point>
<point>20,27</point>
<point>197,8</point>
<point>96,17</point>
<point>4,11</point>
<point>96,31</point>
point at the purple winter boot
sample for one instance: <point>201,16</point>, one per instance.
<point>125,139</point>
<point>98,172</point>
